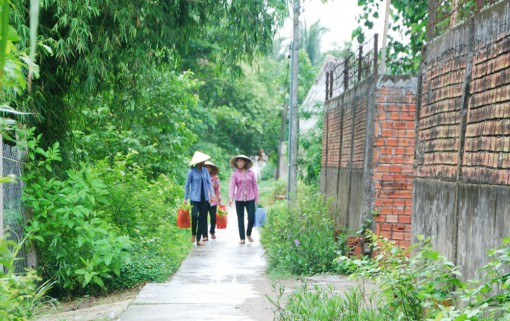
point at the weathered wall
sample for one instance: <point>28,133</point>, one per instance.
<point>393,146</point>
<point>462,157</point>
<point>368,144</point>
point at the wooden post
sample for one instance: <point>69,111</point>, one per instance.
<point>360,62</point>
<point>327,84</point>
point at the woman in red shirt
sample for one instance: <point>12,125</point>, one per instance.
<point>244,191</point>
<point>213,202</point>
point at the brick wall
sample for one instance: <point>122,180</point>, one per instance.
<point>371,128</point>
<point>393,161</point>
<point>461,181</point>
<point>487,138</point>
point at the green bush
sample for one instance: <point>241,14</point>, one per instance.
<point>420,287</point>
<point>146,211</point>
<point>268,172</point>
<point>20,295</point>
<point>299,238</point>
<point>77,248</point>
<point>426,286</point>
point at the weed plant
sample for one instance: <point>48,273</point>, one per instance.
<point>21,295</point>
<point>299,238</point>
<point>423,286</point>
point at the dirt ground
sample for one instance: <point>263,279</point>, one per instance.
<point>91,308</point>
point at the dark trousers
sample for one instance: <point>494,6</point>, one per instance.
<point>199,218</point>
<point>250,208</point>
<point>212,215</point>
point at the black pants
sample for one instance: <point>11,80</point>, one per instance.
<point>250,208</point>
<point>212,215</point>
<point>199,218</point>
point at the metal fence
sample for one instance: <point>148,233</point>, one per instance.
<point>446,14</point>
<point>13,218</point>
<point>358,65</point>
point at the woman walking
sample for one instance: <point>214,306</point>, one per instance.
<point>245,192</point>
<point>199,190</point>
<point>215,201</point>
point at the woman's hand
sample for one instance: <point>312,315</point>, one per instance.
<point>229,202</point>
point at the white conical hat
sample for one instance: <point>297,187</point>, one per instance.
<point>215,168</point>
<point>249,162</point>
<point>198,157</point>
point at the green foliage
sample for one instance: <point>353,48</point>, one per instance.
<point>299,238</point>
<point>310,303</point>
<point>154,259</point>
<point>104,46</point>
<point>164,99</point>
<point>268,172</point>
<point>310,160</point>
<point>20,295</point>
<point>310,40</point>
<point>408,20</point>
<point>77,247</point>
<point>423,286</point>
<point>243,114</point>
<point>145,210</point>
<point>318,303</point>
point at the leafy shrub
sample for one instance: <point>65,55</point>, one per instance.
<point>146,211</point>
<point>299,238</point>
<point>20,295</point>
<point>76,246</point>
<point>155,259</point>
<point>268,171</point>
<point>425,286</point>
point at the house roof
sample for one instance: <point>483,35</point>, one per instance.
<point>314,100</point>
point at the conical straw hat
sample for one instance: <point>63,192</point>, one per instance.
<point>198,157</point>
<point>249,162</point>
<point>215,168</point>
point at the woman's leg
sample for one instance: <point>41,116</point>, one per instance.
<point>250,208</point>
<point>194,219</point>
<point>240,219</point>
<point>204,232</point>
<point>212,213</point>
<point>202,219</point>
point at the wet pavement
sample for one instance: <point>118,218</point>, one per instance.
<point>213,283</point>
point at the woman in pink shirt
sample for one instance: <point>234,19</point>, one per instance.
<point>245,192</point>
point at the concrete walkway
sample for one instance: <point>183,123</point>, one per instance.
<point>213,283</point>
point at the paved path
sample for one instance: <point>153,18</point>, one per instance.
<point>214,283</point>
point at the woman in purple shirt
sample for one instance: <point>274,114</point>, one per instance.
<point>199,190</point>
<point>245,192</point>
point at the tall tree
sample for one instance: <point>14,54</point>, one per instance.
<point>104,45</point>
<point>311,41</point>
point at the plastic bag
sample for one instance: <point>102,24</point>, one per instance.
<point>183,218</point>
<point>260,217</point>
<point>221,221</point>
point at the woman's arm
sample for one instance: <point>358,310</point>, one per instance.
<point>187,186</point>
<point>255,187</point>
<point>232,188</point>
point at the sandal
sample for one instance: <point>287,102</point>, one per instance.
<point>213,236</point>
<point>250,238</point>
<point>205,239</point>
<point>241,242</point>
<point>200,243</point>
<point>193,239</point>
